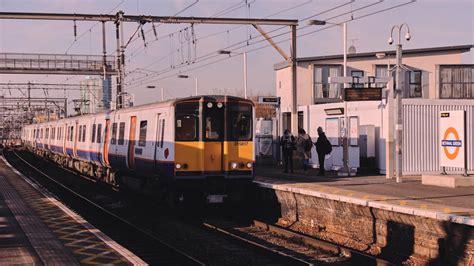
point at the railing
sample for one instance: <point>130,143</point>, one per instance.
<point>56,62</point>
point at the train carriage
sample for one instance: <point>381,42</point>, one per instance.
<point>202,143</point>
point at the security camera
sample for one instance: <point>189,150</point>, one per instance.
<point>390,41</point>
<point>407,36</point>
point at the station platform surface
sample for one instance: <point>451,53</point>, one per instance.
<point>410,196</point>
<point>36,229</point>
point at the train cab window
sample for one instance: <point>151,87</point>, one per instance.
<point>121,133</point>
<point>142,136</point>
<point>99,133</point>
<point>240,122</point>
<point>93,133</point>
<point>80,134</point>
<point>186,127</point>
<point>84,133</point>
<point>113,139</point>
<point>187,121</point>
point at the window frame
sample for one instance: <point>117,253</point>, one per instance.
<point>142,133</point>
<point>121,137</point>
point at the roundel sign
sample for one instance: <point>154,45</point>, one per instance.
<point>452,140</point>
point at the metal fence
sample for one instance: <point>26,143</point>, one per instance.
<point>421,134</point>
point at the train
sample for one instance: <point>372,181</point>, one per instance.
<point>195,147</point>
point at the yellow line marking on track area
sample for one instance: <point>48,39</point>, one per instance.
<point>366,197</point>
<point>446,210</point>
<point>424,206</point>
<point>403,203</point>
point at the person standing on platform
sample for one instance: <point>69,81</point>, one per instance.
<point>323,147</point>
<point>304,145</point>
<point>288,144</point>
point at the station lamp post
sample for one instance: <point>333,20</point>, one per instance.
<point>182,76</point>
<point>398,103</point>
<point>227,52</point>
<point>162,91</point>
<point>345,141</point>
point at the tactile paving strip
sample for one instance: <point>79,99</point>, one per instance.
<point>86,247</point>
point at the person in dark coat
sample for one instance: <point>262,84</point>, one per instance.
<point>322,148</point>
<point>288,144</point>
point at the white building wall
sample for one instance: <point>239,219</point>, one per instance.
<point>427,63</point>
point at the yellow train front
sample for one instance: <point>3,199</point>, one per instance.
<point>214,147</point>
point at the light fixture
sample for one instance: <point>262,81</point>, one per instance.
<point>317,22</point>
<point>223,52</point>
<point>334,111</point>
<point>380,55</point>
<point>182,76</point>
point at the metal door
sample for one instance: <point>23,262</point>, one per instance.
<point>131,142</point>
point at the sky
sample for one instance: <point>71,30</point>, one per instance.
<point>176,50</point>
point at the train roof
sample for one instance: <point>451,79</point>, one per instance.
<point>171,102</point>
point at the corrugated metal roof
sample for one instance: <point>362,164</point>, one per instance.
<point>458,48</point>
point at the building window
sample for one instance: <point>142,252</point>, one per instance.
<point>359,74</point>
<point>382,71</point>
<point>323,91</point>
<point>456,81</point>
<point>415,84</point>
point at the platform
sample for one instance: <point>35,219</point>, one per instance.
<point>35,229</point>
<point>404,222</point>
<point>410,196</point>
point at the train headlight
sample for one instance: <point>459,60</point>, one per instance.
<point>249,165</point>
<point>219,105</point>
<point>233,165</point>
<point>178,166</point>
<point>209,105</point>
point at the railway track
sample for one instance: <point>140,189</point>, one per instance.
<point>144,234</point>
<point>145,245</point>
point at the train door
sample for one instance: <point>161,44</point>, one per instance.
<point>106,142</point>
<point>75,131</point>
<point>63,138</point>
<point>131,143</point>
<point>158,141</point>
<point>213,127</point>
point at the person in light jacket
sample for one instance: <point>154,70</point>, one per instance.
<point>303,147</point>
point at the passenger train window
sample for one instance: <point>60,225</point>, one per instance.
<point>47,134</point>
<point>93,133</point>
<point>113,139</point>
<point>121,133</point>
<point>240,121</point>
<point>142,136</point>
<point>80,134</point>
<point>84,133</point>
<point>99,133</point>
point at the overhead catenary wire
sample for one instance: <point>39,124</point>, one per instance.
<point>214,54</point>
<point>266,46</point>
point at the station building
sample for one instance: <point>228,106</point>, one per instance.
<point>434,78</point>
